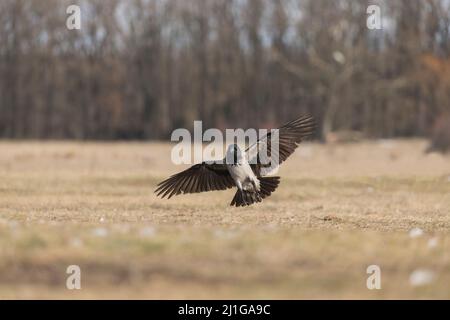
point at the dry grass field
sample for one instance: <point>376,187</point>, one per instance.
<point>339,209</point>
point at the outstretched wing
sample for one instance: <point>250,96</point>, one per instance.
<point>198,178</point>
<point>284,141</point>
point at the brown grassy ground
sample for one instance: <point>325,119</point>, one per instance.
<point>339,209</point>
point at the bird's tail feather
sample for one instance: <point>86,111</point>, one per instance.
<point>245,198</point>
<point>268,185</point>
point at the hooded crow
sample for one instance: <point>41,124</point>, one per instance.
<point>248,172</point>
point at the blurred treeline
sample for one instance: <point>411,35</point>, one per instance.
<point>138,69</point>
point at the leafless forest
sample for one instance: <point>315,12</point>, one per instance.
<point>138,69</point>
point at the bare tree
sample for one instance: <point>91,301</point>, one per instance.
<point>138,69</point>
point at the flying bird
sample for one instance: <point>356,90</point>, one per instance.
<point>247,171</point>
